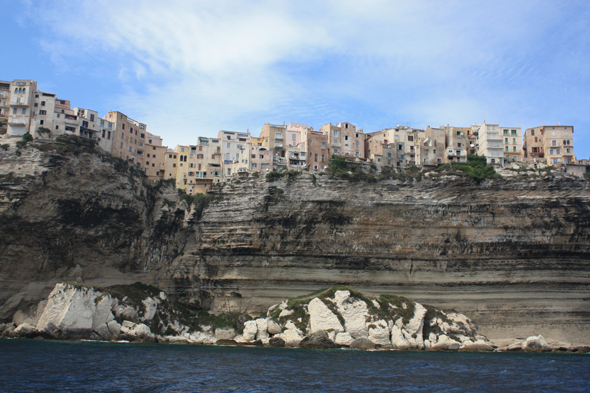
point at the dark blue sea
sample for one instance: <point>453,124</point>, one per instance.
<point>75,366</point>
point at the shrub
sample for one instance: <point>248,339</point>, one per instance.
<point>476,167</point>
<point>272,176</point>
<point>5,146</point>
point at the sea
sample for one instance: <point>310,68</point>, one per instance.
<point>82,366</point>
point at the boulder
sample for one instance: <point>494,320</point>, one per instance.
<point>104,332</point>
<point>225,334</point>
<point>445,343</point>
<point>250,330</point>
<point>226,342</point>
<point>286,313</point>
<point>362,343</point>
<point>477,346</point>
<point>535,344</point>
<point>102,313</point>
<point>276,342</point>
<point>273,327</point>
<point>69,312</point>
<point>262,329</point>
<point>200,338</point>
<point>318,339</point>
<point>292,336</point>
<point>126,312</point>
<point>354,311</point>
<point>343,338</point>
<point>26,330</point>
<point>398,340</point>
<point>379,333</point>
<point>114,328</point>
<point>151,306</point>
<point>322,318</point>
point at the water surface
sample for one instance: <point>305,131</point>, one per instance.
<point>74,366</point>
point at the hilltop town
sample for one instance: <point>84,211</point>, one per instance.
<point>204,162</point>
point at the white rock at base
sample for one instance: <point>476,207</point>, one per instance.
<point>535,343</point>
<point>379,333</point>
<point>398,339</point>
<point>25,329</point>
<point>355,313</point>
<point>262,328</point>
<point>273,327</point>
<point>286,313</point>
<point>225,334</point>
<point>250,330</point>
<point>343,338</point>
<point>322,318</point>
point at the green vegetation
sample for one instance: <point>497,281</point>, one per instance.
<point>5,146</point>
<point>273,176</point>
<point>476,167</point>
<point>200,201</point>
<point>72,144</point>
<point>349,170</point>
<point>25,139</point>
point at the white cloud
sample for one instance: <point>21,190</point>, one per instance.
<point>193,68</point>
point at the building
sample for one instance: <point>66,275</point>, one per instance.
<point>318,150</point>
<point>182,152</point>
<point>458,145</point>
<point>429,147</point>
<point>345,140</point>
<point>232,144</point>
<point>512,137</point>
<point>203,168</point>
<point>4,98</point>
<point>170,162</point>
<point>550,144</point>
<point>20,106</point>
<point>260,159</point>
<point>491,143</point>
<point>297,157</point>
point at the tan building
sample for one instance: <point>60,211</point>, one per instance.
<point>260,159</point>
<point>20,106</point>
<point>129,137</point>
<point>170,162</point>
<point>275,138</point>
<point>4,98</point>
<point>154,162</point>
<point>551,144</point>
<point>204,165</point>
<point>297,157</point>
<point>345,140</point>
<point>430,147</point>
<point>318,150</point>
<point>232,144</point>
<point>182,152</point>
<point>458,144</point>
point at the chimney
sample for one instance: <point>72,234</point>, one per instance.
<point>557,123</point>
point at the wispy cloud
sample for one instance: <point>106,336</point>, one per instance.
<point>193,68</point>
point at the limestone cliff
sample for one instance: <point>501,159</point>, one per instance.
<point>511,254</point>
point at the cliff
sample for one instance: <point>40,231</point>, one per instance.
<point>512,255</point>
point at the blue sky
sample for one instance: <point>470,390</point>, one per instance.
<point>190,69</point>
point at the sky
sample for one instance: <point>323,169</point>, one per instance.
<point>191,68</point>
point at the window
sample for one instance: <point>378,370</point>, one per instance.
<point>506,140</point>
<point>108,135</point>
<point>323,145</point>
<point>173,165</point>
<point>199,156</point>
<point>533,133</point>
<point>506,132</point>
<point>41,122</point>
<point>514,141</point>
<point>228,144</point>
<point>535,150</point>
<point>357,144</point>
<point>92,117</point>
<point>410,138</point>
<point>293,137</point>
<point>356,135</point>
<point>42,112</point>
<point>57,128</point>
<point>228,171</point>
<point>121,145</point>
<point>35,104</point>
<point>147,162</point>
<point>513,132</point>
<point>514,149</point>
<point>316,158</point>
<point>553,143</point>
<point>142,135</point>
<point>148,155</point>
<point>535,139</point>
<point>336,134</point>
<point>345,137</point>
<point>253,166</point>
<point>323,158</point>
<point>14,111</point>
<point>123,125</point>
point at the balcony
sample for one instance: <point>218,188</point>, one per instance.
<point>493,136</point>
<point>17,121</point>
<point>20,101</point>
<point>335,144</point>
<point>278,137</point>
<point>278,144</point>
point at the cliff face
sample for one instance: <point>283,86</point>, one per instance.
<point>513,255</point>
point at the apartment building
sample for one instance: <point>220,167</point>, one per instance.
<point>240,165</point>
<point>154,162</point>
<point>275,138</point>
<point>170,162</point>
<point>551,144</point>
<point>130,137</point>
<point>491,143</point>
<point>182,152</point>
<point>512,137</point>
<point>458,144</point>
<point>318,150</point>
<point>295,132</point>
<point>429,147</point>
<point>20,106</point>
<point>204,167</point>
<point>4,98</point>
<point>260,159</point>
<point>297,157</point>
<point>232,143</point>
<point>345,140</point>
